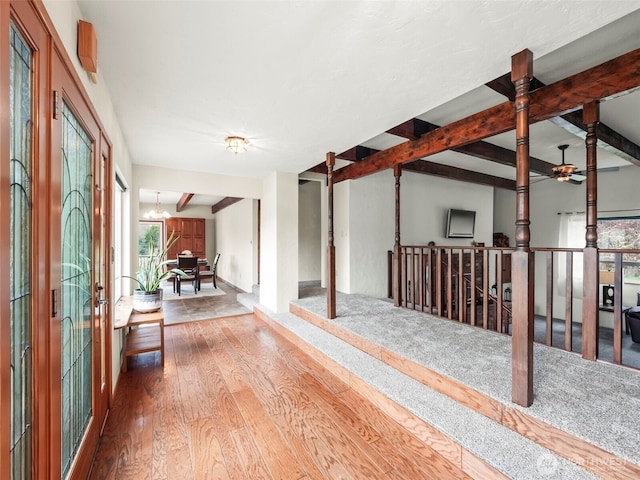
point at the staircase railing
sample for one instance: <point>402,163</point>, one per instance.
<point>472,285</point>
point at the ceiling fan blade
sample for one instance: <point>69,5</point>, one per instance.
<point>599,170</point>
<point>577,177</point>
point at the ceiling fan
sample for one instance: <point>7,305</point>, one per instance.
<point>568,173</point>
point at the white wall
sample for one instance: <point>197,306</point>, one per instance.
<point>341,234</point>
<point>279,243</point>
<point>425,200</point>
<point>365,222</point>
<point>324,221</point>
<point>504,214</point>
<point>372,231</point>
<point>234,227</point>
<point>309,232</point>
<point>175,180</point>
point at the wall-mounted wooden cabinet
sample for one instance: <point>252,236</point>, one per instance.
<point>192,236</point>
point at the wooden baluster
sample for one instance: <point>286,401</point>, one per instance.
<point>549,324</point>
<point>499,290</point>
<point>421,277</point>
<point>438,280</point>
<point>590,272</point>
<point>568,309</point>
<point>472,300</point>
<point>331,249</point>
<point>462,289</point>
<point>389,274</point>
<point>485,287</point>
<point>522,258</point>
<point>449,284</point>
<point>617,309</point>
<point>414,290</point>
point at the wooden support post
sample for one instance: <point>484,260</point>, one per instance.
<point>522,258</point>
<point>397,278</point>
<point>590,115</point>
<point>331,249</point>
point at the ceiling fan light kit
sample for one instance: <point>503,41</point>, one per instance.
<point>563,171</point>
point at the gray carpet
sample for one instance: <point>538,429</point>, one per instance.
<point>596,401</point>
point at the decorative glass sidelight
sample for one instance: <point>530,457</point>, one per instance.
<point>21,123</point>
<point>76,297</point>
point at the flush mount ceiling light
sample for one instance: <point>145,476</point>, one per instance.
<point>157,213</point>
<point>236,144</point>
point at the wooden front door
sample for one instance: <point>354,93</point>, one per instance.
<point>78,253</point>
<point>55,168</point>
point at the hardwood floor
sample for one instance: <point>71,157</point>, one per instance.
<point>237,401</point>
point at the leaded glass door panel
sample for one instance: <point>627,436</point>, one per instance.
<point>20,251</point>
<point>76,285</point>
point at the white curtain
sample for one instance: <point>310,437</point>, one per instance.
<point>571,235</point>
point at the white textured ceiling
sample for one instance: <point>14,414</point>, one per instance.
<point>299,79</point>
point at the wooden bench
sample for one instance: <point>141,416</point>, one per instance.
<point>146,331</point>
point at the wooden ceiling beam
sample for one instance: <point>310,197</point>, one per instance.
<point>435,169</point>
<point>456,173</point>
<point>608,138</point>
<point>224,203</point>
<point>319,168</point>
<point>415,128</point>
<point>184,201</point>
<point>354,154</point>
<point>610,78</point>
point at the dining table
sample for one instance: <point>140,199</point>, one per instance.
<point>202,262</point>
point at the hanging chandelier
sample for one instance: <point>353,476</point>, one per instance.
<point>157,214</point>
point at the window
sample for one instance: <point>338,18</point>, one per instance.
<point>620,233</point>
<point>150,232</point>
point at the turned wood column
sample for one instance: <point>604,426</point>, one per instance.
<point>522,259</point>
<point>397,254</point>
<point>590,118</point>
<point>331,249</point>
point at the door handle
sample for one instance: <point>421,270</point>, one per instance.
<point>100,301</point>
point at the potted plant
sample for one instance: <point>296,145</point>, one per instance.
<point>152,272</point>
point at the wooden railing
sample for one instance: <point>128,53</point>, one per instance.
<point>458,283</point>
<point>472,285</point>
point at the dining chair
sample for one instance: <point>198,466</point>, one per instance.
<point>211,271</point>
<point>189,265</point>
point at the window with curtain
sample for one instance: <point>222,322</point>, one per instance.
<point>621,233</point>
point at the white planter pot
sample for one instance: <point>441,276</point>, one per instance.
<point>146,302</point>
